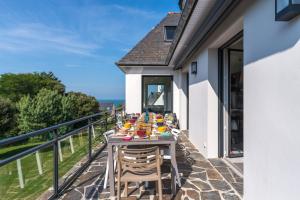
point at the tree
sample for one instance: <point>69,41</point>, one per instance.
<point>41,111</point>
<point>49,107</point>
<point>7,116</point>
<point>85,105</point>
<point>15,86</point>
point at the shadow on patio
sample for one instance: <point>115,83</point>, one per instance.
<point>201,179</point>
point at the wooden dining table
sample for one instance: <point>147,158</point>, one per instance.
<point>159,141</point>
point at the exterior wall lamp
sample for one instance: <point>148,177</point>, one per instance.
<point>286,10</point>
<point>194,67</point>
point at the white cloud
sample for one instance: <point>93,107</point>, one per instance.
<point>30,37</point>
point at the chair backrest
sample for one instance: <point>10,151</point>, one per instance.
<point>107,134</point>
<point>139,160</point>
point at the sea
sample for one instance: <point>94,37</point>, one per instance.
<point>116,102</point>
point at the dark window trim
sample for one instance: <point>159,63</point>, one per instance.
<point>165,34</point>
<point>142,84</point>
<point>287,13</point>
<point>221,91</point>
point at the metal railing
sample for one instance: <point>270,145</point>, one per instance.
<point>88,123</point>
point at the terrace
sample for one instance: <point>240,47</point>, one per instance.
<point>72,166</point>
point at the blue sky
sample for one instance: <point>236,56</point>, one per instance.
<point>78,40</point>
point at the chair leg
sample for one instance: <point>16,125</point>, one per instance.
<point>119,190</point>
<point>126,189</point>
<point>106,176</point>
<point>178,178</point>
<point>160,189</point>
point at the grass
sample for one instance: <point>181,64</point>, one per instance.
<point>35,184</point>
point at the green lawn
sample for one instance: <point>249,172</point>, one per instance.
<point>36,184</point>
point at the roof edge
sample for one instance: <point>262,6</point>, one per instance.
<point>173,47</point>
<point>216,16</point>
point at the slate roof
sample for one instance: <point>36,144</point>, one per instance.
<point>152,49</point>
<point>185,16</point>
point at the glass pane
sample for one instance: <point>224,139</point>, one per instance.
<point>72,150</point>
<point>157,94</point>
<point>28,177</point>
<point>281,4</point>
<point>296,1</point>
<point>236,102</point>
<point>170,32</point>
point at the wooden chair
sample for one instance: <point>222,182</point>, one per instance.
<point>135,165</point>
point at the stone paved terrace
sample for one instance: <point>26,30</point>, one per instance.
<point>201,179</point>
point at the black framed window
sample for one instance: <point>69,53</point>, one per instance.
<point>157,94</point>
<point>170,32</point>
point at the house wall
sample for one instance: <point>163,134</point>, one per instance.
<point>133,86</point>
<point>203,87</point>
<point>133,93</point>
<point>271,104</point>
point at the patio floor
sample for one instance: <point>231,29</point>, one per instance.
<point>201,179</point>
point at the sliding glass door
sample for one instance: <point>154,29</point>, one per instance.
<point>157,94</point>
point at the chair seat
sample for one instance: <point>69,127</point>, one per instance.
<point>129,176</point>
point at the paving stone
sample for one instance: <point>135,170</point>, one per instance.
<point>196,156</point>
<point>202,185</point>
<point>217,163</point>
<point>238,187</point>
<point>214,195</point>
<point>223,170</point>
<point>228,177</point>
<point>220,185</point>
<point>187,185</point>
<point>203,164</point>
<point>201,175</point>
<point>73,194</point>
<point>230,196</point>
<point>192,194</point>
<point>213,174</point>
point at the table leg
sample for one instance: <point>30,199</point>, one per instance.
<point>111,170</point>
<point>173,168</point>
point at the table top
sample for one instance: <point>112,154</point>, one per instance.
<point>161,140</point>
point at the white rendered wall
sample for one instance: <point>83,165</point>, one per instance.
<point>203,104</point>
<point>133,93</point>
<point>133,88</point>
<point>271,104</point>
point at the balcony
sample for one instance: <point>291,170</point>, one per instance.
<point>72,166</point>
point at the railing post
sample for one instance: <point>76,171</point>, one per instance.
<point>90,139</point>
<point>115,115</point>
<point>106,121</point>
<point>55,163</point>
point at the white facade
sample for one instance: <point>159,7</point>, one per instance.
<point>271,97</point>
<point>272,109</point>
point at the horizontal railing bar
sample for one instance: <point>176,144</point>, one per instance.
<point>25,153</point>
<point>74,132</point>
<point>51,128</point>
<point>42,146</point>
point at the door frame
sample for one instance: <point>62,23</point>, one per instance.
<point>221,105</point>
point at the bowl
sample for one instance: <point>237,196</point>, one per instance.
<point>132,121</point>
<point>141,133</point>
<point>127,125</point>
<point>159,120</point>
<point>162,129</point>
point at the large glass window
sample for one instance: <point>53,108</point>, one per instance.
<point>157,94</point>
